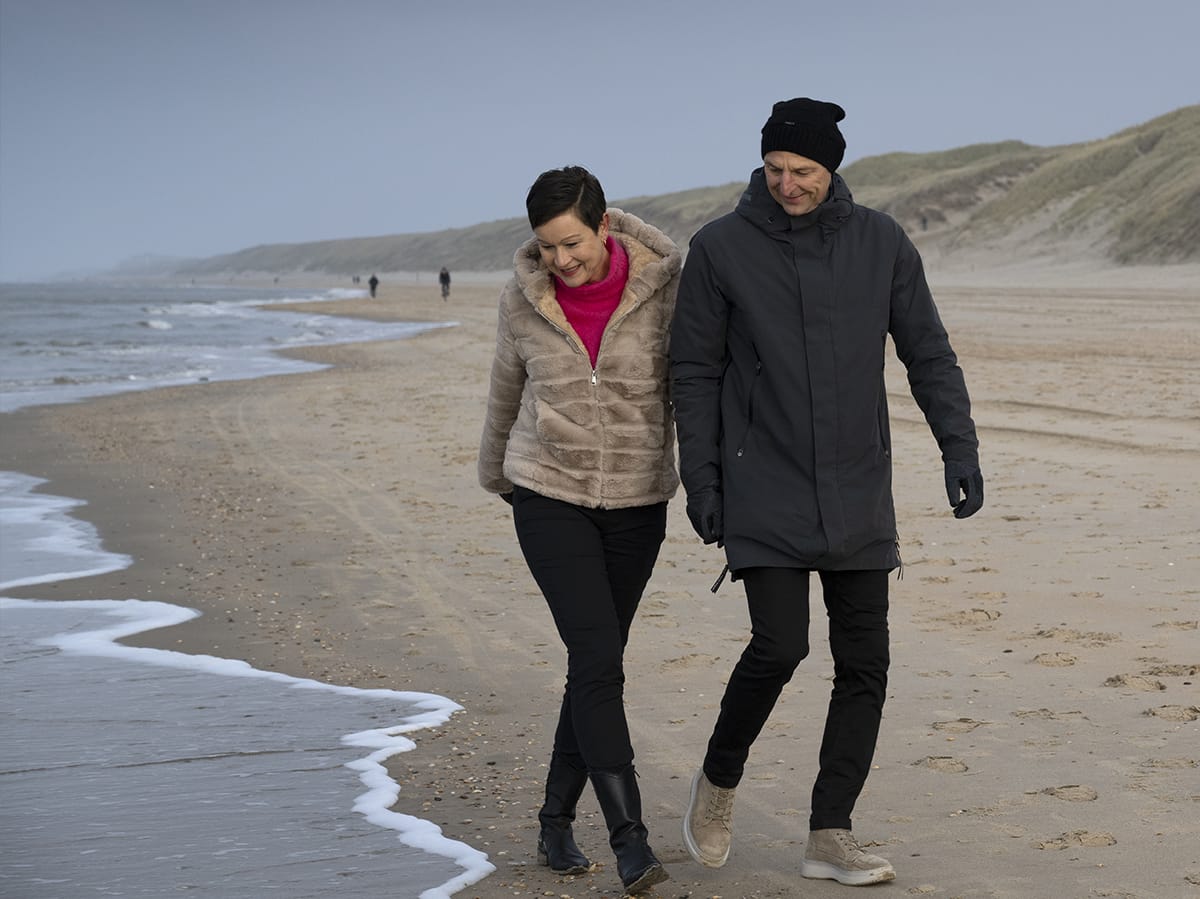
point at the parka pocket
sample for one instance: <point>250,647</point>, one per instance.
<point>881,424</point>
<point>741,448</point>
<point>881,408</point>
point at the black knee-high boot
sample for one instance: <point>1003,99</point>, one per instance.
<point>556,843</point>
<point>621,802</point>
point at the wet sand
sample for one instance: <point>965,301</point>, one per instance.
<point>1041,734</point>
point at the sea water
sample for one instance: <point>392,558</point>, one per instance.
<point>61,343</point>
<point>131,771</point>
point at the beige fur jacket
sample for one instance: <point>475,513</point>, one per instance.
<point>602,439</point>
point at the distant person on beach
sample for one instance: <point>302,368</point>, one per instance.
<point>373,283</point>
<point>444,280</point>
<point>579,441</point>
<point>777,375</point>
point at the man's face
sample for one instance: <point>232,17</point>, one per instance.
<point>797,183</point>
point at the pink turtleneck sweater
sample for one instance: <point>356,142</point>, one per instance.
<point>589,306</point>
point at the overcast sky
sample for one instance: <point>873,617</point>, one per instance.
<point>197,127</point>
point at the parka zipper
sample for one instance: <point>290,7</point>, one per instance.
<point>594,379</point>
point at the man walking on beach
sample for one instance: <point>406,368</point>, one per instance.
<point>777,357</point>
<point>373,284</point>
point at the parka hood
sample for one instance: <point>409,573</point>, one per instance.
<point>758,207</point>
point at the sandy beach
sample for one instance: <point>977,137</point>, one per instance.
<point>1042,731</point>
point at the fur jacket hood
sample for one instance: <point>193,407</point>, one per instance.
<point>601,438</point>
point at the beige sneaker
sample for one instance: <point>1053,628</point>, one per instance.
<point>708,822</point>
<point>834,854</point>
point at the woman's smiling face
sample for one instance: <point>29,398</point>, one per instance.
<point>572,251</point>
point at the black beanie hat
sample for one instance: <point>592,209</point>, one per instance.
<point>808,128</point>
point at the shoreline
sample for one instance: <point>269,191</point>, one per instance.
<point>328,525</point>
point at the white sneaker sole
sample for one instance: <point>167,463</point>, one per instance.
<point>689,842</point>
<point>827,871</point>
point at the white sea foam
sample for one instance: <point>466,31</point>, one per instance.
<point>65,343</point>
<point>40,542</point>
<point>200,779</point>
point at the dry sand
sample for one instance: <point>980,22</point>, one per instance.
<point>1041,735</point>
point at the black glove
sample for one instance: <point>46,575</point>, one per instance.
<point>507,497</point>
<point>964,488</point>
<point>705,509</point>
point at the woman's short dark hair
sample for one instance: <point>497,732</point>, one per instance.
<point>570,189</point>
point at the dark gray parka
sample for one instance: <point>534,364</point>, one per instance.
<point>777,357</point>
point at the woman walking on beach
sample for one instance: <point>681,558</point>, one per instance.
<point>579,439</point>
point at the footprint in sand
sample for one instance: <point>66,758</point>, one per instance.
<point>942,763</point>
<point>1180,625</point>
<point>971,616</point>
<point>1056,659</point>
<point>691,660</point>
<point>1166,670</point>
<point>655,602</point>
<point>1175,712</point>
<point>990,595</point>
<point>785,845</point>
<point>1135,682</point>
<point>658,619</point>
<point>1050,715</point>
<point>1171,763</point>
<point>958,726</point>
<point>1078,838</point>
<point>1070,635</point>
<point>1072,793</point>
